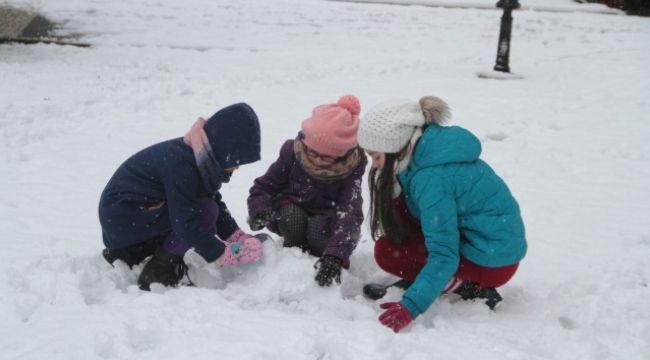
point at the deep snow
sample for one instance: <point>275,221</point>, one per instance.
<point>572,139</point>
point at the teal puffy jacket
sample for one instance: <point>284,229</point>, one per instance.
<point>451,191</point>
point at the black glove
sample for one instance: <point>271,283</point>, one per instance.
<point>329,270</point>
<point>261,219</point>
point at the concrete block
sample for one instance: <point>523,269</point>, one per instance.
<point>17,23</point>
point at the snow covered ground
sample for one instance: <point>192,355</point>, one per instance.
<point>572,139</point>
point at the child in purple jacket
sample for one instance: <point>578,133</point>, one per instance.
<point>311,195</point>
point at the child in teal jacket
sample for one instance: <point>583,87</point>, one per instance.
<point>445,221</point>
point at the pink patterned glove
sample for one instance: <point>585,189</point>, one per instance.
<point>238,236</point>
<point>244,251</point>
<point>396,316</point>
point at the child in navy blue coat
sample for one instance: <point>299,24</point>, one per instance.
<point>165,199</point>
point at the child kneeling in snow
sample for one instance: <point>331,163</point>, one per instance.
<point>311,195</point>
<point>165,199</point>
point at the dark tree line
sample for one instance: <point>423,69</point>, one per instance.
<point>632,7</point>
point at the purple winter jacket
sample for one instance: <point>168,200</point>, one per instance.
<point>340,201</point>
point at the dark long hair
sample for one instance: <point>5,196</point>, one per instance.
<point>383,221</point>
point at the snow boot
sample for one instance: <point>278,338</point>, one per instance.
<point>132,255</point>
<point>164,268</point>
<point>471,291</point>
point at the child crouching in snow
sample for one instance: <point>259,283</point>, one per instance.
<point>165,199</point>
<point>447,222</point>
<point>311,195</point>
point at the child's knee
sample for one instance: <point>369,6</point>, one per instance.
<point>385,253</point>
<point>291,219</point>
<point>317,235</point>
<point>292,224</point>
<point>292,212</point>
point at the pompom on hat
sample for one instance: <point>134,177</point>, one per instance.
<point>332,128</point>
<point>389,126</point>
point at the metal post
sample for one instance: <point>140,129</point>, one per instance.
<point>503,51</point>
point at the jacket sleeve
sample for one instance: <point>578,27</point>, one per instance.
<point>348,217</point>
<point>269,185</point>
<point>226,224</point>
<point>181,188</point>
<point>438,219</point>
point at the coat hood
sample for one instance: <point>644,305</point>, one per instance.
<point>234,135</point>
<point>445,144</point>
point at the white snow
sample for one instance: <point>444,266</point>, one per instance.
<point>572,139</point>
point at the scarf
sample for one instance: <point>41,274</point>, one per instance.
<point>211,171</point>
<point>331,173</point>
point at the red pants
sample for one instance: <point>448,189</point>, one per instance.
<point>406,260</point>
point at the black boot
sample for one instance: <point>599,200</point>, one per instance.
<point>132,255</point>
<point>164,268</point>
<point>491,296</point>
<point>471,291</point>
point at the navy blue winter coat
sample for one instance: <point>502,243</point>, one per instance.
<point>158,189</point>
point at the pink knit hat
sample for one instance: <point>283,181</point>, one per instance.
<point>332,129</point>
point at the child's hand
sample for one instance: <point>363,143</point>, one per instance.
<point>245,251</point>
<point>396,316</point>
<point>238,236</point>
<point>329,270</point>
<point>261,219</point>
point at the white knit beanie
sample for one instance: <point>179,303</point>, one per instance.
<point>389,126</point>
